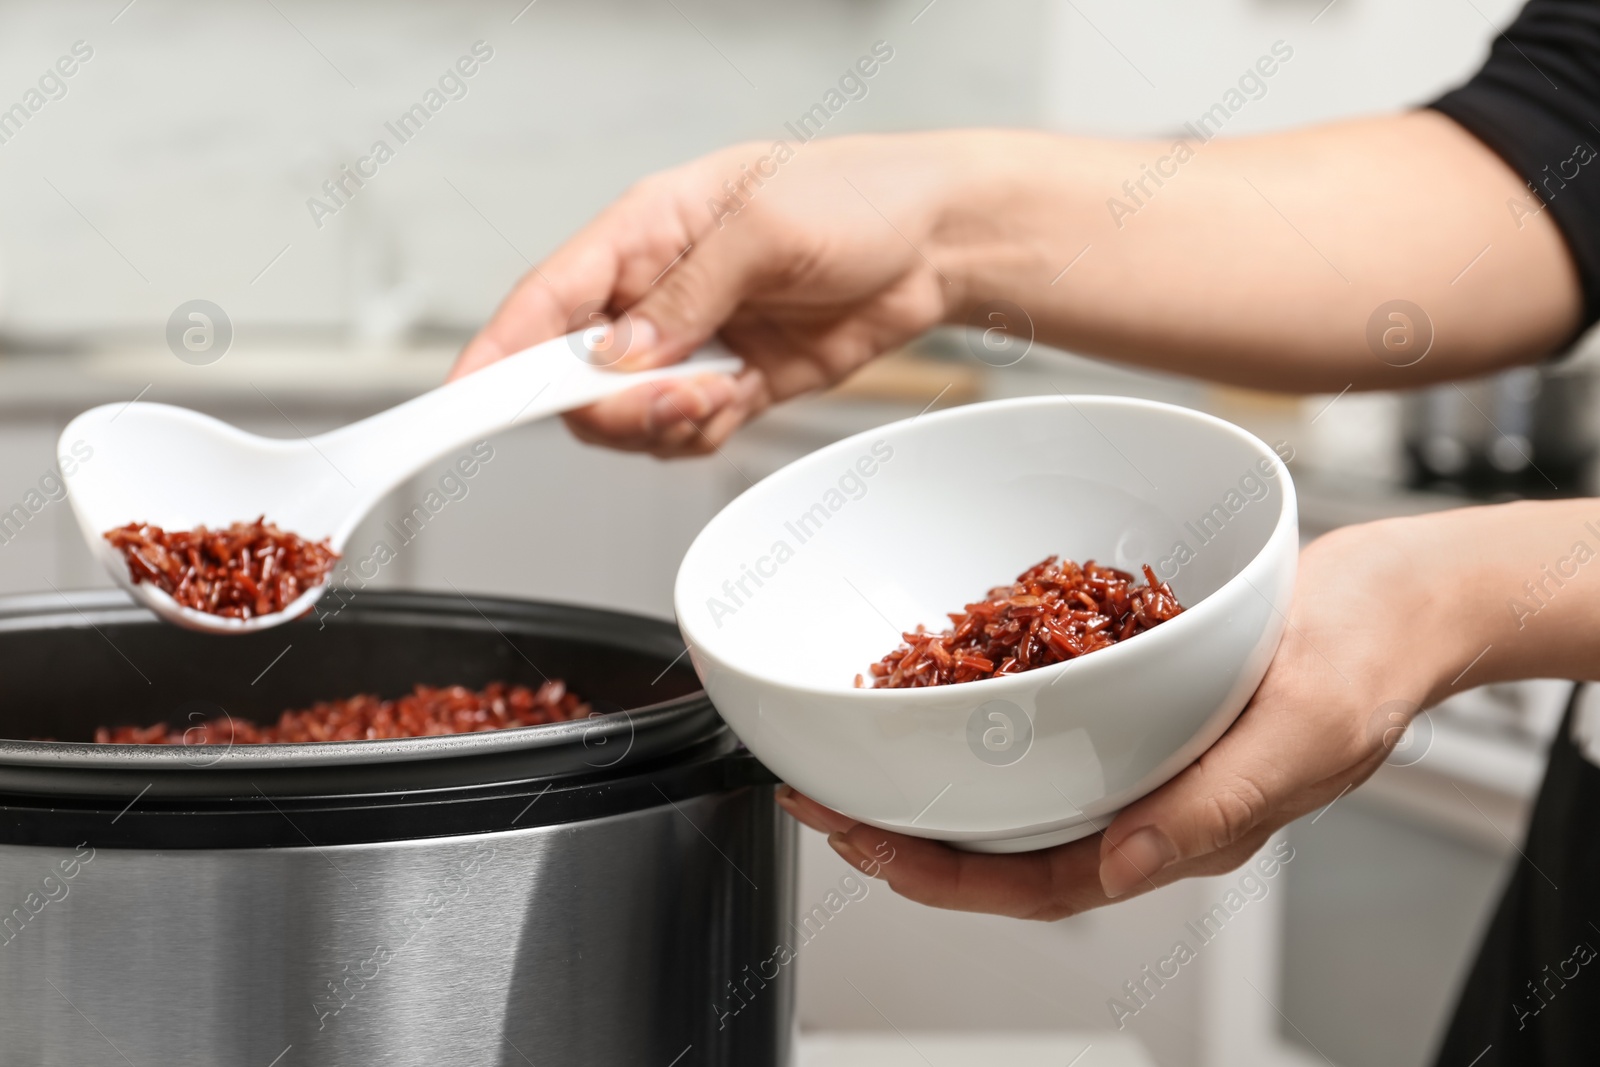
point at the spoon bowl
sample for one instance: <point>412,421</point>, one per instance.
<point>178,469</point>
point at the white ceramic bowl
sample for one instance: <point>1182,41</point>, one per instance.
<point>810,576</point>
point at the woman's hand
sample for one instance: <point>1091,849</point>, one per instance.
<point>1374,636</point>
<point>808,260</point>
<point>811,258</point>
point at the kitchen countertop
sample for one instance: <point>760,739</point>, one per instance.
<point>971,1050</point>
<point>301,375</point>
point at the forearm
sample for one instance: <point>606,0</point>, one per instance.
<point>1519,588</point>
<point>1461,598</point>
<point>1260,260</point>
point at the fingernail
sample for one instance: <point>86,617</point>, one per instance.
<point>677,403</point>
<point>1136,859</point>
<point>693,399</point>
<point>784,795</point>
<point>642,338</point>
<point>848,852</point>
<point>718,389</point>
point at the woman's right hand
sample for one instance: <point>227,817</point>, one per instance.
<point>807,259</point>
<point>810,258</point>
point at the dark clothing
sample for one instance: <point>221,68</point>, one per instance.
<point>1533,995</point>
<point>1536,102</point>
<point>1532,998</point>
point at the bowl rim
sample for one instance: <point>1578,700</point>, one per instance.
<point>1286,525</point>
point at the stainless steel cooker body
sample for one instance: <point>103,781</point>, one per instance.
<point>607,892</point>
<point>608,942</point>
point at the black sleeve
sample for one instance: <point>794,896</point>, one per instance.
<point>1536,103</point>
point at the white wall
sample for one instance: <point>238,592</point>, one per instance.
<point>193,138</point>
<point>1144,67</point>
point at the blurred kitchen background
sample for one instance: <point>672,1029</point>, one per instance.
<point>177,166</point>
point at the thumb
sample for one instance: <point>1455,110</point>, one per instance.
<point>689,302</point>
<point>1201,811</point>
<point>1253,778</point>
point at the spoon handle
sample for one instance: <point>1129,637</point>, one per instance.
<point>380,452</point>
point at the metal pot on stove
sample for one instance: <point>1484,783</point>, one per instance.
<point>1530,431</point>
<point>586,893</point>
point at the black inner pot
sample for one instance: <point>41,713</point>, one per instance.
<point>72,663</point>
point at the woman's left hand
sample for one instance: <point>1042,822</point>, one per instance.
<point>1372,639</point>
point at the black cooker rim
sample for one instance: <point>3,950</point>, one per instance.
<point>91,608</point>
<point>260,821</point>
<point>337,793</point>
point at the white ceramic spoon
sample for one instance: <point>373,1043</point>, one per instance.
<point>178,469</point>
